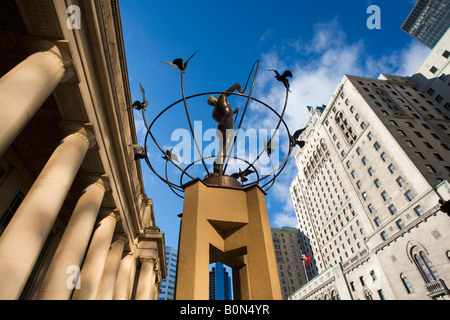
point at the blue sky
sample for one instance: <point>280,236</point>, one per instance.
<point>319,41</point>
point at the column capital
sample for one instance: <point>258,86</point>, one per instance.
<point>152,260</point>
<point>99,180</point>
<point>59,49</point>
<point>123,238</point>
<point>84,130</point>
<point>110,214</point>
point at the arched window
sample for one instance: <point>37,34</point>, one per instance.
<point>346,128</point>
<point>367,294</point>
<point>425,267</point>
<point>334,295</point>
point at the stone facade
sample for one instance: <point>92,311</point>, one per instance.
<point>288,254</point>
<point>370,179</point>
<point>75,220</point>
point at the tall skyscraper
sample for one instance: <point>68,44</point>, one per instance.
<point>168,284</point>
<point>428,21</point>
<point>288,254</point>
<point>371,175</point>
<point>219,283</point>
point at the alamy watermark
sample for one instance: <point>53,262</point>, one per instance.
<point>258,147</point>
<point>74,19</point>
<point>73,281</point>
<point>374,20</point>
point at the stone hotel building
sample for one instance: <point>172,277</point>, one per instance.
<point>371,177</point>
<point>75,220</point>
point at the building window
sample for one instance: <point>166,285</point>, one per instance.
<point>363,125</point>
<point>400,181</point>
<point>418,210</point>
<point>381,294</point>
<point>425,267</point>
<point>370,135</point>
<point>377,221</point>
<point>430,168</point>
<point>419,154</point>
<point>372,274</point>
<point>377,183</point>
<point>364,195</point>
<point>358,151</point>
<point>371,208</point>
<point>348,164</point>
<point>377,146</point>
<point>409,195</point>
<point>391,168</point>
<point>358,184</point>
<point>353,174</point>
<point>364,160</point>
<point>370,171</point>
<point>433,69</point>
<point>392,209</point>
<point>400,224</point>
<point>384,196</point>
<point>438,156</point>
<point>446,54</point>
<point>361,279</point>
<point>406,283</point>
<point>383,235</point>
<point>383,156</point>
<point>431,91</point>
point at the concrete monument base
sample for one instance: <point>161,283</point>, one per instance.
<point>229,225</point>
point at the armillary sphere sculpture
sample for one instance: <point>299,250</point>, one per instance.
<point>224,212</point>
<point>227,134</point>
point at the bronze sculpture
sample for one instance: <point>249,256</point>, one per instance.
<point>223,115</point>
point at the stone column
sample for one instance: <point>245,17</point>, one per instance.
<point>146,279</point>
<point>125,278</point>
<point>24,238</point>
<point>108,282</point>
<point>72,247</point>
<point>25,88</point>
<point>94,264</point>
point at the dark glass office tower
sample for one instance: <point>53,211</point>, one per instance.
<point>428,21</point>
<point>219,283</point>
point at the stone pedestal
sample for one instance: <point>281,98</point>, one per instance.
<point>229,225</point>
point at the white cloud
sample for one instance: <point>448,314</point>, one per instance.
<point>412,57</point>
<point>284,220</point>
<point>320,68</point>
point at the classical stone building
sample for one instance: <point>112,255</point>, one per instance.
<point>371,177</point>
<point>75,220</point>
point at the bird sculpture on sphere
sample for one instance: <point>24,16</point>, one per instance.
<point>178,63</point>
<point>295,136</point>
<point>283,78</point>
<point>138,105</point>
<point>169,155</point>
<point>242,175</point>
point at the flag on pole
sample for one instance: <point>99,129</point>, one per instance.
<point>307,259</point>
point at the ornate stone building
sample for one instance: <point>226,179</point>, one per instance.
<point>372,177</point>
<point>75,220</point>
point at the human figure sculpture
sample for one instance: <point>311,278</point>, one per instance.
<point>224,115</point>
